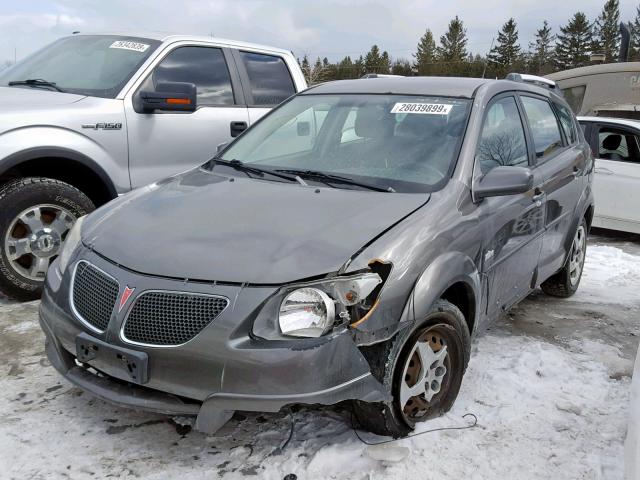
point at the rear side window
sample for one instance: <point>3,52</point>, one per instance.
<point>269,77</point>
<point>544,127</point>
<point>568,125</point>
<point>574,97</point>
<point>502,141</point>
<point>618,144</point>
<point>203,66</point>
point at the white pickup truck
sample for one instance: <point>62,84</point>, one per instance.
<point>90,117</point>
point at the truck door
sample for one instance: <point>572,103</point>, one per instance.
<point>164,143</point>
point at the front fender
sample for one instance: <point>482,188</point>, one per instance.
<point>442,273</point>
<point>40,141</point>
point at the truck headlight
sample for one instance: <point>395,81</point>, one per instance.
<point>306,312</point>
<point>70,244</point>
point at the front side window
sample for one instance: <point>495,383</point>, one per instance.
<point>269,77</point>
<point>94,65</point>
<point>618,144</point>
<point>502,141</point>
<point>544,127</point>
<point>205,67</point>
<point>408,143</point>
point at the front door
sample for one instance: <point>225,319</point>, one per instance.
<point>514,223</point>
<point>165,143</point>
<point>616,184</point>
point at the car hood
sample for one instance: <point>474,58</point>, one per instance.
<point>202,226</point>
<point>29,98</point>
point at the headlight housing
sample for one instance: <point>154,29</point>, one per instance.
<point>70,244</point>
<point>312,311</point>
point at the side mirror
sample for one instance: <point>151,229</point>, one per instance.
<point>501,181</point>
<point>169,96</point>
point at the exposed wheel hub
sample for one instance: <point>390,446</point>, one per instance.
<point>424,374</point>
<point>35,238</point>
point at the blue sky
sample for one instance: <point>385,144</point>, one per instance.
<point>331,28</point>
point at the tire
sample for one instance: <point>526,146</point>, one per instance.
<point>36,213</point>
<point>565,283</point>
<point>392,361</point>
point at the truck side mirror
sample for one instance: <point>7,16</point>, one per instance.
<point>168,96</point>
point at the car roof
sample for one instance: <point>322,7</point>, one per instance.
<point>463,87</point>
<point>171,38</point>
<point>620,121</point>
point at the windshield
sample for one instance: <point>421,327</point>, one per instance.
<point>408,143</point>
<point>96,65</point>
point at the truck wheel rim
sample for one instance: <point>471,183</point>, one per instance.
<point>425,376</point>
<point>35,237</point>
<point>576,261</point>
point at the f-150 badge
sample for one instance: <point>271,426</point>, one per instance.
<point>102,126</point>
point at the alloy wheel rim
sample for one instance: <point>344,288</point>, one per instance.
<point>425,375</point>
<point>576,260</point>
<point>35,237</point>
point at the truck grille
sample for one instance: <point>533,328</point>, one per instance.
<point>94,295</point>
<point>170,318</point>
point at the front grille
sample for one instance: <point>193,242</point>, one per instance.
<point>94,295</point>
<point>170,318</point>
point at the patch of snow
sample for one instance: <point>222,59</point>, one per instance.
<point>632,444</point>
<point>610,276</point>
<point>544,412</point>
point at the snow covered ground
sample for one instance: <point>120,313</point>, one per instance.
<point>549,385</point>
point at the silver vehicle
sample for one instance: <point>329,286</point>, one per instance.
<point>90,117</point>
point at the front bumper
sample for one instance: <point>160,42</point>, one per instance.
<point>221,370</point>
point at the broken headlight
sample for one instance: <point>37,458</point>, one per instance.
<point>312,311</point>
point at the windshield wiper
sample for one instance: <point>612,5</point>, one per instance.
<point>238,165</point>
<point>330,178</point>
<point>36,82</point>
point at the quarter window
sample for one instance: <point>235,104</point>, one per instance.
<point>269,77</point>
<point>574,97</point>
<point>502,141</point>
<point>568,125</point>
<point>544,127</point>
<point>203,66</point>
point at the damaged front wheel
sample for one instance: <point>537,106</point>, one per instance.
<point>423,369</point>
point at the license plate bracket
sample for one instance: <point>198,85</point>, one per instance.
<point>123,363</point>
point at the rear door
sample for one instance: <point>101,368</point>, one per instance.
<point>515,223</point>
<point>164,143</point>
<point>617,176</point>
<point>266,79</point>
<point>560,162</point>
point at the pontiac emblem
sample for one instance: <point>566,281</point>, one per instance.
<point>125,296</point>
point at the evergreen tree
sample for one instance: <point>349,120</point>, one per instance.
<point>376,62</point>
<point>606,31</point>
<point>426,54</point>
<point>574,41</point>
<point>345,69</point>
<point>453,44</point>
<point>634,53</point>
<point>506,52</point>
<point>541,51</point>
<point>401,67</point>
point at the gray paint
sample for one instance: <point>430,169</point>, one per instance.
<point>202,226</point>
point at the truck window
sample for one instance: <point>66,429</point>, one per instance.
<point>203,66</point>
<point>574,97</point>
<point>269,77</point>
<point>544,127</point>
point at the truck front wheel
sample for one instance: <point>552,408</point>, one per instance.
<point>36,215</point>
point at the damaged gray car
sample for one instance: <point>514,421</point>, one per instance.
<point>345,248</point>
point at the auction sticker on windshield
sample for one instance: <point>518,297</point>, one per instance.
<point>424,108</point>
<point>126,45</point>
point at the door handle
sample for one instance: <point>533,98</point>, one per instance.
<point>237,128</point>
<point>603,171</point>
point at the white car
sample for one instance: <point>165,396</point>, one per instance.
<point>616,147</point>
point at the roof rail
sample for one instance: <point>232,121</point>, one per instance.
<point>536,80</point>
<point>379,75</point>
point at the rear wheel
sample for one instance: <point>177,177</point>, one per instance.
<point>36,215</point>
<point>565,283</point>
<point>423,370</point>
